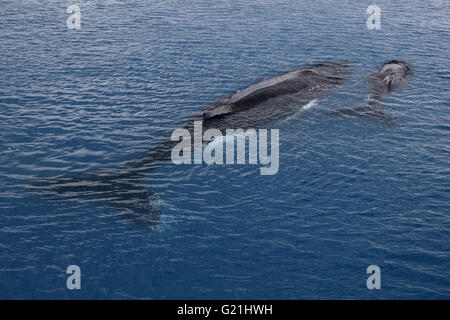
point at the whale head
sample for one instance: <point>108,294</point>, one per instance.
<point>395,73</point>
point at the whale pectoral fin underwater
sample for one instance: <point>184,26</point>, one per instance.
<point>365,110</point>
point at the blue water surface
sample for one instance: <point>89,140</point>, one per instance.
<point>350,192</point>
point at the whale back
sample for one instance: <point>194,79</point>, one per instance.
<point>308,82</point>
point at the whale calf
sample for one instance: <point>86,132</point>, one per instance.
<point>391,76</point>
<point>258,106</point>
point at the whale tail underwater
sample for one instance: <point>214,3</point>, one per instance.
<point>391,76</point>
<point>257,106</point>
<point>120,190</point>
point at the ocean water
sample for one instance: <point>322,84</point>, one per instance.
<point>350,192</point>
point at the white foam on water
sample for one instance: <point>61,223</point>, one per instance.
<point>166,221</point>
<point>310,105</point>
<point>313,103</point>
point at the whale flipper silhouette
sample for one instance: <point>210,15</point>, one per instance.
<point>364,110</point>
<point>390,77</point>
<point>258,106</point>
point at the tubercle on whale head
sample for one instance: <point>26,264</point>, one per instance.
<point>388,80</point>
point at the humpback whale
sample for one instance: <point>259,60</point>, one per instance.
<point>258,106</point>
<point>391,76</point>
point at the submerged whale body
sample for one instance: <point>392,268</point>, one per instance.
<point>258,106</point>
<point>390,77</point>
